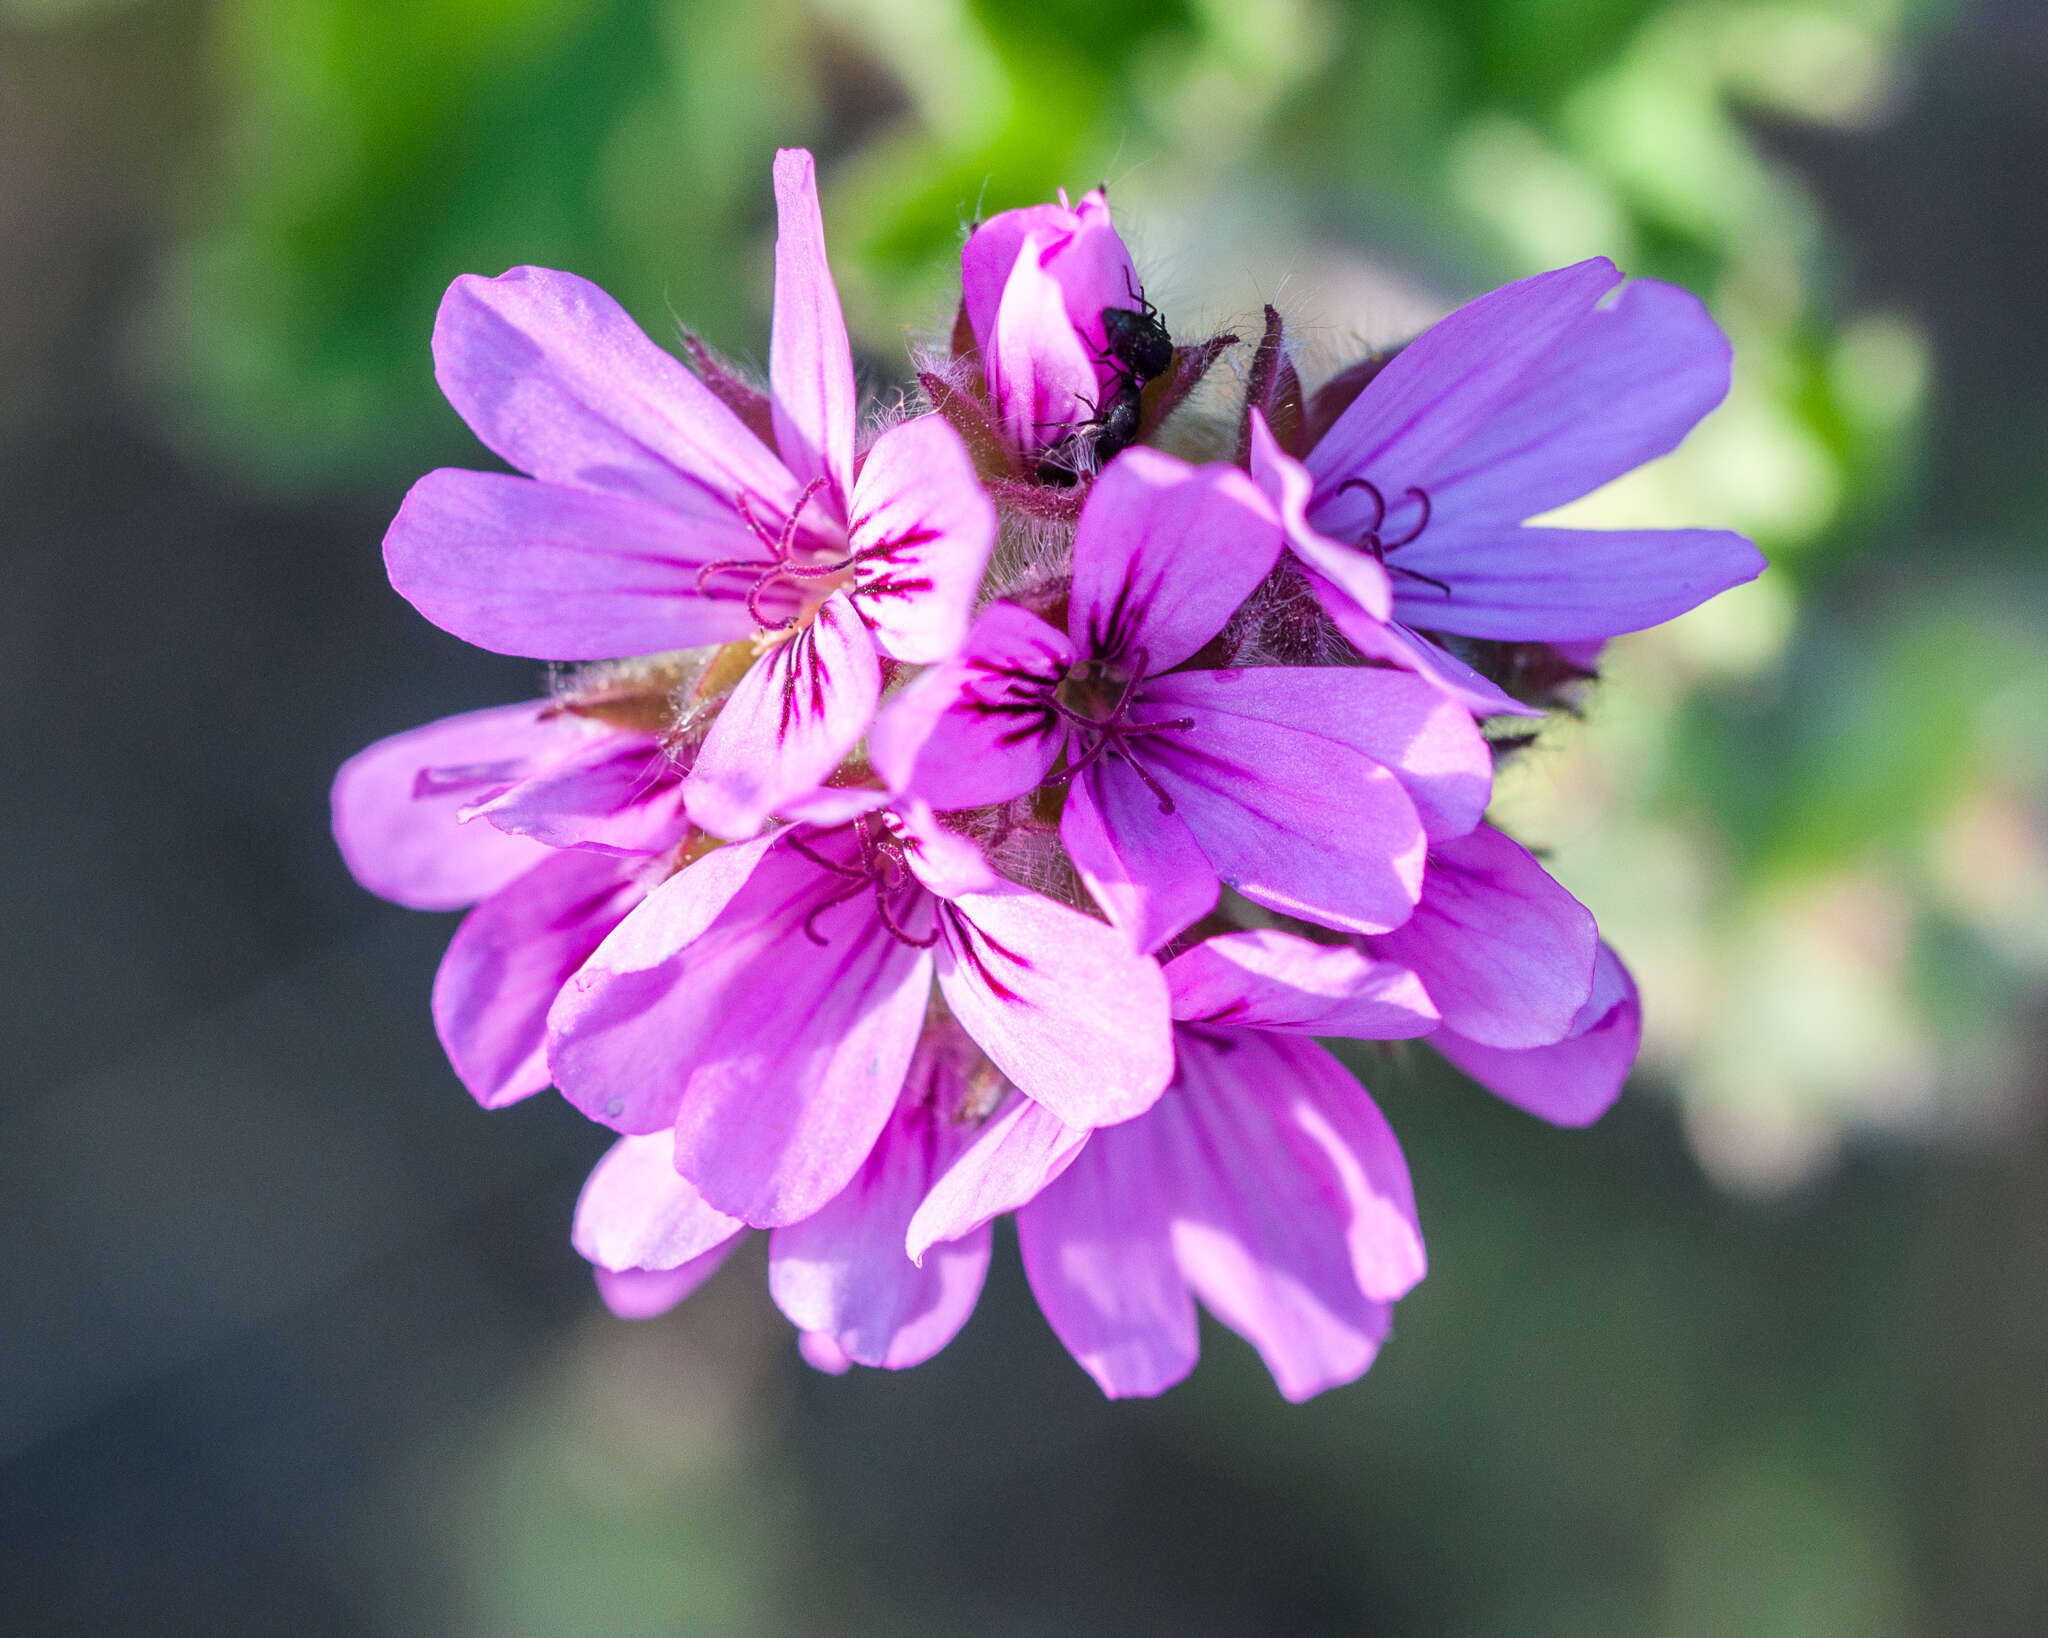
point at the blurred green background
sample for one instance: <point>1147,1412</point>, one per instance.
<point>296,1339</point>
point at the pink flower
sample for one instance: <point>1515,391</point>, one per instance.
<point>1035,282</point>
<point>765,1003</point>
<point>1410,510</point>
<point>1313,791</point>
<point>653,518</point>
<point>1265,1181</point>
<point>549,823</point>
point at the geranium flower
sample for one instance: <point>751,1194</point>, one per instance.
<point>765,1003</point>
<point>1410,511</point>
<point>652,517</point>
<point>1313,791</point>
<point>551,824</point>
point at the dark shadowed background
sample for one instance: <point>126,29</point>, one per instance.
<point>294,1340</point>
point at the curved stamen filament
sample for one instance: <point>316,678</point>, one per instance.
<point>1370,539</point>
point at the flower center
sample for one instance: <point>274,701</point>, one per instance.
<point>1097,709</point>
<point>793,575</point>
<point>881,866</point>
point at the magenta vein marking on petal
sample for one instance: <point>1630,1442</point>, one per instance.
<point>964,946</point>
<point>462,776</point>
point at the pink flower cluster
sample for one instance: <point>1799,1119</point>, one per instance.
<point>991,808</point>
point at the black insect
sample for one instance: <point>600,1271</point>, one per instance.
<point>1137,338</point>
<point>1117,419</point>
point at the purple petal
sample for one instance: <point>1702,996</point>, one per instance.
<point>810,365</point>
<point>1575,1081</point>
<point>1439,394</point>
<point>678,912</point>
<point>1021,1149</point>
<point>550,373</point>
<point>1566,585</point>
<point>796,714</point>
<point>1060,1002</point>
<point>1506,953</point>
<point>1396,643</point>
<point>1293,820</point>
<point>921,532</point>
<point>776,1040</point>
<point>844,1271</point>
<point>509,960</point>
<point>406,844</point>
<point>1534,395</point>
<point>615,794</point>
<point>636,1213</point>
<point>1356,575</point>
<point>1267,979</point>
<point>991,252</point>
<point>977,729</point>
<point>645,1293</point>
<point>1144,867</point>
<point>1165,553</point>
<point>1406,725</point>
<point>1099,1255</point>
<point>1260,1223</point>
<point>554,573</point>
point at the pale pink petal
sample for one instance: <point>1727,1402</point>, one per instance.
<point>395,806</point>
<point>832,805</point>
<point>921,533</point>
<point>810,364</point>
<point>1566,585</point>
<point>1293,820</point>
<point>1261,1217</point>
<point>776,1041</point>
<point>1505,952</point>
<point>796,714</point>
<point>1428,742</point>
<point>1144,867</point>
<point>1267,979</point>
<point>1059,1001</point>
<point>509,960</point>
<point>550,373</point>
<point>1021,1149</point>
<point>615,794</point>
<point>645,1293</point>
<point>1094,270</point>
<point>1356,574</point>
<point>1164,554</point>
<point>636,1213</point>
<point>844,1271</point>
<point>1040,376</point>
<point>1575,1081</point>
<point>978,728</point>
<point>943,860</point>
<point>556,573</point>
<point>1098,1252</point>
